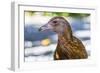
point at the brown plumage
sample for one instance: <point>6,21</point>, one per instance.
<point>68,47</point>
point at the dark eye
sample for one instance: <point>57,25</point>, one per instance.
<point>54,21</point>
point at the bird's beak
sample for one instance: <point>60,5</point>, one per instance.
<point>45,27</point>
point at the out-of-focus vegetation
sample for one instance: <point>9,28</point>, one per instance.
<point>52,14</point>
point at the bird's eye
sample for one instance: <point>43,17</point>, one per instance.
<point>54,21</point>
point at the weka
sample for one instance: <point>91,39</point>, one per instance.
<point>68,46</point>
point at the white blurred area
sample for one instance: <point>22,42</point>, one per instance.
<point>39,51</point>
<point>36,19</point>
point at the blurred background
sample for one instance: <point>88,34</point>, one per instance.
<point>40,46</point>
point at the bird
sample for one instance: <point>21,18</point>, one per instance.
<point>68,46</point>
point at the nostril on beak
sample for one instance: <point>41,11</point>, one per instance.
<point>42,28</point>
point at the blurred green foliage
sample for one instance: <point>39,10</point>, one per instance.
<point>79,14</point>
<point>55,14</point>
<point>52,14</point>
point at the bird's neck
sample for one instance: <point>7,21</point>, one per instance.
<point>67,34</point>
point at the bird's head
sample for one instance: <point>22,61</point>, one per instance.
<point>56,24</point>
